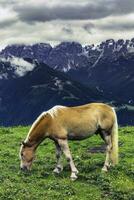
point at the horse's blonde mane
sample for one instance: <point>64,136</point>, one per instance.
<point>53,111</point>
<point>35,124</point>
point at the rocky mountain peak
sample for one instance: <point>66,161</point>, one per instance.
<point>72,55</point>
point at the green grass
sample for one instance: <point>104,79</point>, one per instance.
<point>42,184</point>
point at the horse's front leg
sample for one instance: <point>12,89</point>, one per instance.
<point>59,166</point>
<point>64,146</point>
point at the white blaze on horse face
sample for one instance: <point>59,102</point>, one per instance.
<point>27,157</point>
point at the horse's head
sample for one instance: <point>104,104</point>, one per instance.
<point>27,155</point>
<point>37,133</point>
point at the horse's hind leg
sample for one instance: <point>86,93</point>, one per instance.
<point>64,146</point>
<point>59,166</point>
<point>107,139</point>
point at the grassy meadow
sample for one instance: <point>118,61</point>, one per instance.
<point>42,184</point>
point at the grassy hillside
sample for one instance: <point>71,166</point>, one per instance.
<point>42,184</point>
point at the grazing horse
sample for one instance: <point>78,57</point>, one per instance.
<point>62,123</point>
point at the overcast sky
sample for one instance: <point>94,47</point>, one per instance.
<point>53,21</point>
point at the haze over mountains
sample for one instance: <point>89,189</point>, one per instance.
<point>35,77</point>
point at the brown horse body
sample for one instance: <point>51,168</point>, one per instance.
<point>72,123</point>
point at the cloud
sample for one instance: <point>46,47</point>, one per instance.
<point>116,23</point>
<point>88,27</point>
<point>71,11</point>
<point>7,17</point>
<point>84,21</point>
<point>45,12</point>
<point>118,27</point>
<point>67,29</point>
<point>20,66</point>
<point>7,23</point>
<point>7,3</point>
<point>123,6</point>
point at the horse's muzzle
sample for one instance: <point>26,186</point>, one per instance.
<point>24,168</point>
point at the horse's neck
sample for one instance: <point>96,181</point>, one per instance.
<point>33,138</point>
<point>37,132</point>
<point>39,129</point>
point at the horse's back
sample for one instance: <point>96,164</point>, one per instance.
<point>91,111</point>
<point>97,109</point>
<point>80,121</point>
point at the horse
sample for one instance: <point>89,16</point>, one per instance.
<point>62,123</point>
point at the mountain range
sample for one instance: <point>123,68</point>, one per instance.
<point>34,78</point>
<point>24,98</point>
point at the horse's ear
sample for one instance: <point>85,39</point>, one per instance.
<point>25,144</point>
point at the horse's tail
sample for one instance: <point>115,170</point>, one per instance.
<point>114,140</point>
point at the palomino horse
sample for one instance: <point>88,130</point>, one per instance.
<point>62,123</point>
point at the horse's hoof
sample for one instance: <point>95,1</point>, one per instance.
<point>105,169</point>
<point>73,177</point>
<point>75,171</point>
<point>56,171</point>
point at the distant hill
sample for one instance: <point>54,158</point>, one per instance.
<point>24,98</point>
